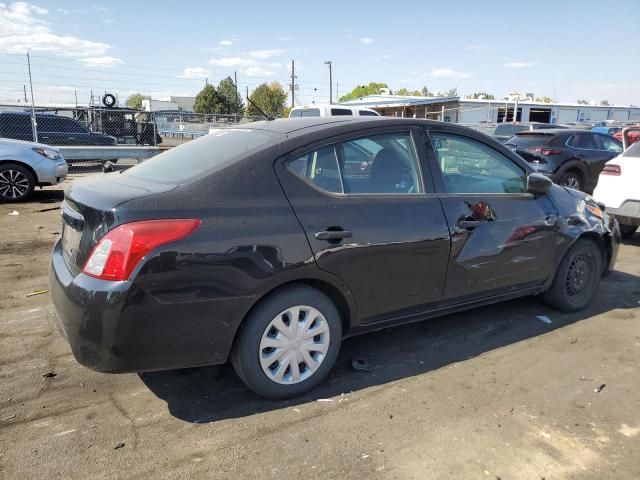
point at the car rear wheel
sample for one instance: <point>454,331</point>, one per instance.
<point>571,180</point>
<point>577,277</point>
<point>16,182</point>
<point>627,231</point>
<point>288,343</point>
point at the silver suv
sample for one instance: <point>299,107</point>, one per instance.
<point>25,165</point>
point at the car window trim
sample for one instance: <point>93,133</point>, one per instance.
<point>434,165</point>
<point>293,155</point>
<point>585,149</point>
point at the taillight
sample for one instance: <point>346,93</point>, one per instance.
<point>612,169</point>
<point>546,151</point>
<point>119,251</point>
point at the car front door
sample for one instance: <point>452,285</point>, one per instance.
<point>502,238</point>
<point>379,227</point>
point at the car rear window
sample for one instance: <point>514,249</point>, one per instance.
<point>509,129</point>
<point>341,111</point>
<point>305,112</point>
<point>206,155</point>
<point>368,113</point>
<point>528,139</point>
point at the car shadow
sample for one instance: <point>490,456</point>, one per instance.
<point>210,394</point>
<point>46,195</point>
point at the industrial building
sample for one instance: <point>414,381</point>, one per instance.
<point>462,110</point>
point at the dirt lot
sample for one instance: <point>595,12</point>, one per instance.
<point>492,393</point>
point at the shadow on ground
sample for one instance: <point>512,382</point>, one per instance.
<point>210,394</point>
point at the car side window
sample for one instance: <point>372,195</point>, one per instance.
<point>385,163</point>
<point>585,141</point>
<point>609,145</point>
<point>470,166</point>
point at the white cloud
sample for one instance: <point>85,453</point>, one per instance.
<point>232,62</point>
<point>449,73</point>
<point>519,64</point>
<point>105,61</point>
<point>479,48</point>
<point>259,72</point>
<point>366,40</point>
<point>23,29</point>
<point>225,43</point>
<point>263,54</point>
<point>195,72</point>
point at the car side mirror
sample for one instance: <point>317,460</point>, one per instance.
<point>538,184</point>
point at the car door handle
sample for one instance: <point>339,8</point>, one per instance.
<point>469,224</point>
<point>333,235</point>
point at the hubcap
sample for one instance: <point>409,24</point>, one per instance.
<point>572,182</point>
<point>578,275</point>
<point>13,184</point>
<point>294,345</point>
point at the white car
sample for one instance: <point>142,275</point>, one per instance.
<point>618,189</point>
<point>326,110</point>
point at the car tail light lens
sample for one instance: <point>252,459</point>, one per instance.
<point>546,151</point>
<point>612,169</point>
<point>119,251</point>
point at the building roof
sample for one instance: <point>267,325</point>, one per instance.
<point>396,101</point>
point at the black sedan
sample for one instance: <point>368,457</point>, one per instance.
<point>573,158</point>
<point>256,244</point>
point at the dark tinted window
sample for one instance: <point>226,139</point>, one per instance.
<point>319,167</point>
<point>206,155</point>
<point>15,126</point>
<point>470,166</point>
<point>609,144</point>
<point>305,112</point>
<point>585,141</point>
<point>53,124</point>
<point>367,113</point>
<point>341,111</point>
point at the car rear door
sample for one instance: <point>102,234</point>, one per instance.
<point>590,150</point>
<point>380,228</point>
<point>503,239</point>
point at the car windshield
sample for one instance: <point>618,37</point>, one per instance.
<point>509,129</point>
<point>632,151</point>
<point>206,155</point>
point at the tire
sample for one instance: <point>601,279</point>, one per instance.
<point>16,183</point>
<point>577,277</point>
<point>627,231</point>
<point>572,180</point>
<point>261,353</point>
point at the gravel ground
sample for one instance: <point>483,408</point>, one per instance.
<point>491,393</point>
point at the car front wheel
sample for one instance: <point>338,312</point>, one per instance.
<point>577,277</point>
<point>16,182</point>
<point>571,180</point>
<point>288,343</point>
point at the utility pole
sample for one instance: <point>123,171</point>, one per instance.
<point>337,91</point>
<point>235,84</point>
<point>33,108</point>
<point>328,62</point>
<point>293,83</point>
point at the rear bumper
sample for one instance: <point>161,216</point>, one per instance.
<point>119,327</point>
<point>628,213</point>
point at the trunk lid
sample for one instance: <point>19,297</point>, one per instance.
<point>90,210</point>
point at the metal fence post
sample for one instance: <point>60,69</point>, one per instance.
<point>34,123</point>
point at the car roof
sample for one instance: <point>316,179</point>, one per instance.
<point>554,131</point>
<point>293,126</point>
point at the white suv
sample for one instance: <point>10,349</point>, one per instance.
<point>618,189</point>
<point>327,110</point>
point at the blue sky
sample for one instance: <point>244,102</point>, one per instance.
<point>569,50</point>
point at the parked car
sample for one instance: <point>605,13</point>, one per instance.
<point>505,131</point>
<point>318,110</point>
<point>619,191</point>
<point>607,130</point>
<point>253,244</point>
<point>52,130</point>
<point>633,136</point>
<point>573,158</point>
<point>25,165</point>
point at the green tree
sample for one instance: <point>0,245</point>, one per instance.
<point>582,101</point>
<point>604,103</point>
<point>230,101</point>
<point>407,92</point>
<point>135,101</point>
<point>452,92</point>
<point>207,101</point>
<point>426,93</point>
<point>363,90</point>
<point>270,98</point>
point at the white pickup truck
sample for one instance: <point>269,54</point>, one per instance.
<point>326,110</point>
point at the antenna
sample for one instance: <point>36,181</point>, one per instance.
<point>258,108</point>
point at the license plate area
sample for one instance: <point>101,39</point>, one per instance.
<point>70,244</point>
